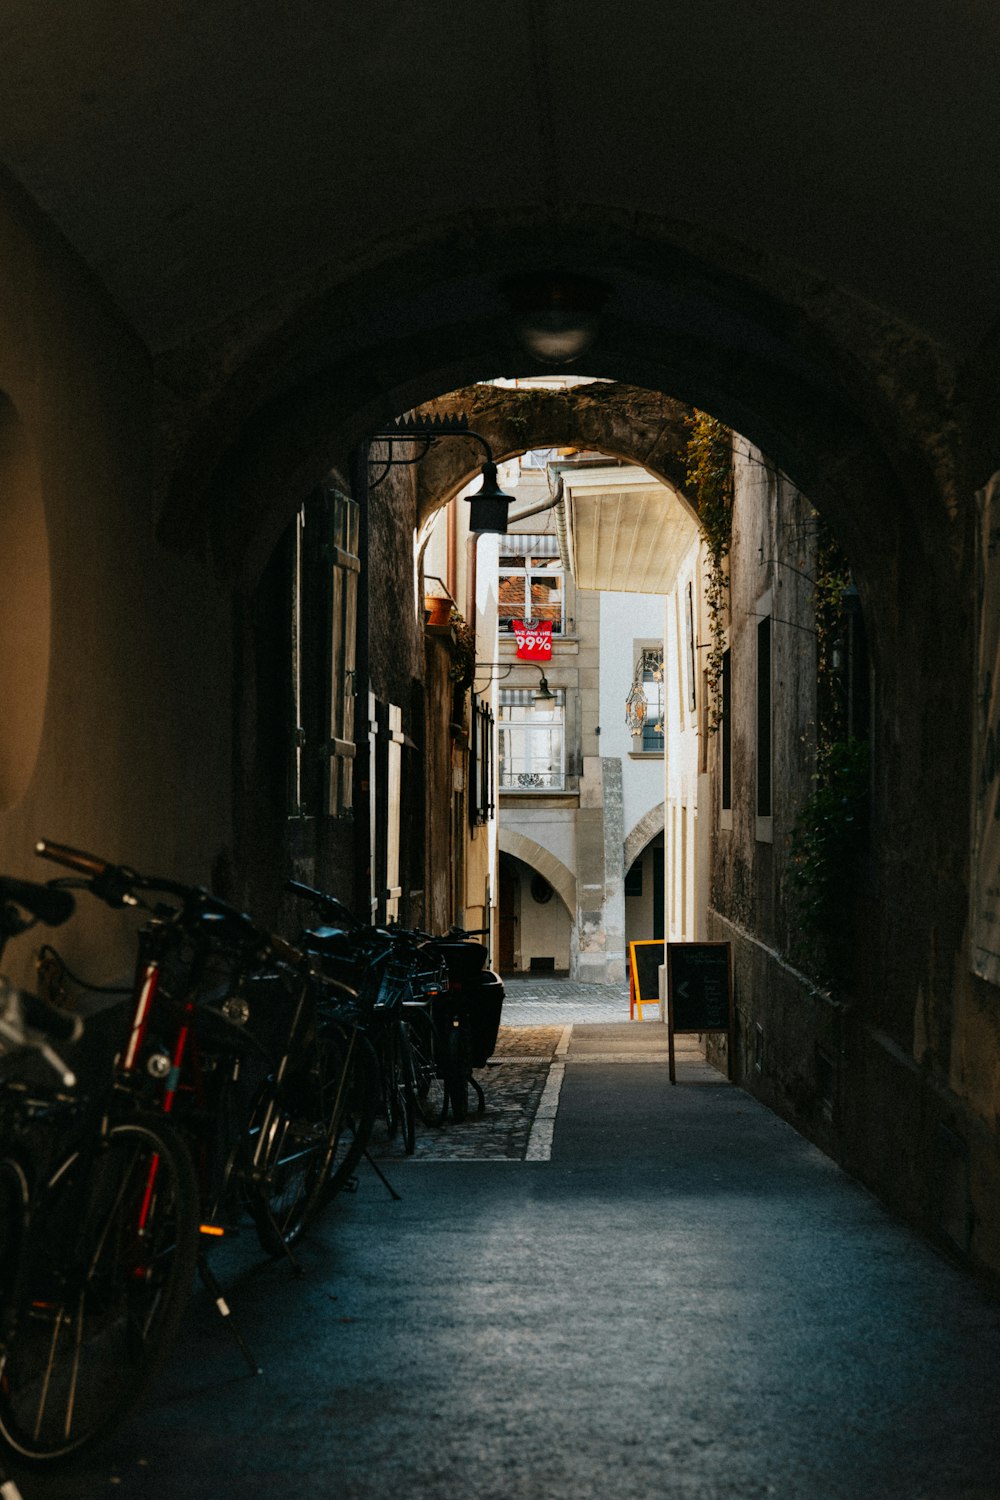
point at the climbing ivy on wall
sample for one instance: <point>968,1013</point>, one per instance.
<point>831,830</point>
<point>463,650</point>
<point>709,462</point>
<point>828,847</point>
<point>833,578</point>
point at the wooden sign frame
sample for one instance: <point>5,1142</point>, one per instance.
<point>699,956</point>
<point>636,998</point>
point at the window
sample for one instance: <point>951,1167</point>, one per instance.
<point>324,584</point>
<point>531,581</point>
<point>344,565</point>
<point>480,783</point>
<point>689,636</point>
<point>652,724</point>
<point>532,741</point>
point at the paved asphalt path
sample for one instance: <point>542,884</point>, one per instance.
<point>687,1300</point>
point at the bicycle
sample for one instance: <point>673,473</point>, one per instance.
<point>422,993</point>
<point>98,1209</point>
<point>367,959</point>
<point>464,1014</point>
<point>236,1039</point>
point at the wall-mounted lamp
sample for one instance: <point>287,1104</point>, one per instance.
<point>543,696</point>
<point>488,506</point>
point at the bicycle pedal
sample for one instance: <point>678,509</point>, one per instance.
<point>350,1186</point>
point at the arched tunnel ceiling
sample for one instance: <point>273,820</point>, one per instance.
<point>217,162</point>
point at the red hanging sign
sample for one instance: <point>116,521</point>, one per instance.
<point>534,639</point>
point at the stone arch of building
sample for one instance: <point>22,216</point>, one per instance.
<point>613,418</point>
<point>618,420</point>
<point>645,830</point>
<point>562,880</point>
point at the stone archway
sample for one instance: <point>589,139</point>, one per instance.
<point>562,880</point>
<point>649,825</point>
<point>622,421</point>
<point>802,378</point>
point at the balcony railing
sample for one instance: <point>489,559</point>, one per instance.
<point>531,781</point>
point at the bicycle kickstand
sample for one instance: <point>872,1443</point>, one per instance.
<point>297,1269</point>
<point>211,1284</point>
<point>396,1197</point>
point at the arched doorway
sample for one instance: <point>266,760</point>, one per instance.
<point>645,893</point>
<point>535,926</point>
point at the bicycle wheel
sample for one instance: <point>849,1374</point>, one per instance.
<point>357,1118</point>
<point>102,1278</point>
<point>397,1084</point>
<point>428,1084</point>
<point>294,1136</point>
<point>457,1071</point>
<point>404,1088</point>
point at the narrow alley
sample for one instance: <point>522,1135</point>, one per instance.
<point>686,1300</point>
<point>499,595</point>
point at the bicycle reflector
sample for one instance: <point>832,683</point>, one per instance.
<point>213,1229</point>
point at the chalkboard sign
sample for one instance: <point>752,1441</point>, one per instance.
<point>645,959</point>
<point>699,991</point>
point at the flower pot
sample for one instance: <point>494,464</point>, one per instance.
<point>437,611</point>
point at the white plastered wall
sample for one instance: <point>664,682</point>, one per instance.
<point>687,824</point>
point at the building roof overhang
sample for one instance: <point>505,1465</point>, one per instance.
<point>628,532</point>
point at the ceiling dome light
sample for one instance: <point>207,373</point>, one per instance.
<point>557,315</point>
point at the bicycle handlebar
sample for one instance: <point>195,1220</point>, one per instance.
<point>117,885</point>
<point>324,901</point>
<point>74,859</point>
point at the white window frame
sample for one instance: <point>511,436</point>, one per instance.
<point>518,717</point>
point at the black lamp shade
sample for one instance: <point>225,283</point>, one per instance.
<point>488,506</point>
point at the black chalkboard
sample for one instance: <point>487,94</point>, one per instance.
<point>698,986</point>
<point>646,959</point>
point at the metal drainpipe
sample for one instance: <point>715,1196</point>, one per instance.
<point>557,502</point>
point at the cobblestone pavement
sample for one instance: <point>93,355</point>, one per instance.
<point>512,1083</point>
<point>537,1001</point>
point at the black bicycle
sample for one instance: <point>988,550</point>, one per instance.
<point>433,1008</point>
<point>373,965</point>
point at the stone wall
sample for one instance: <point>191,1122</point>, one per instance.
<point>869,1074</point>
